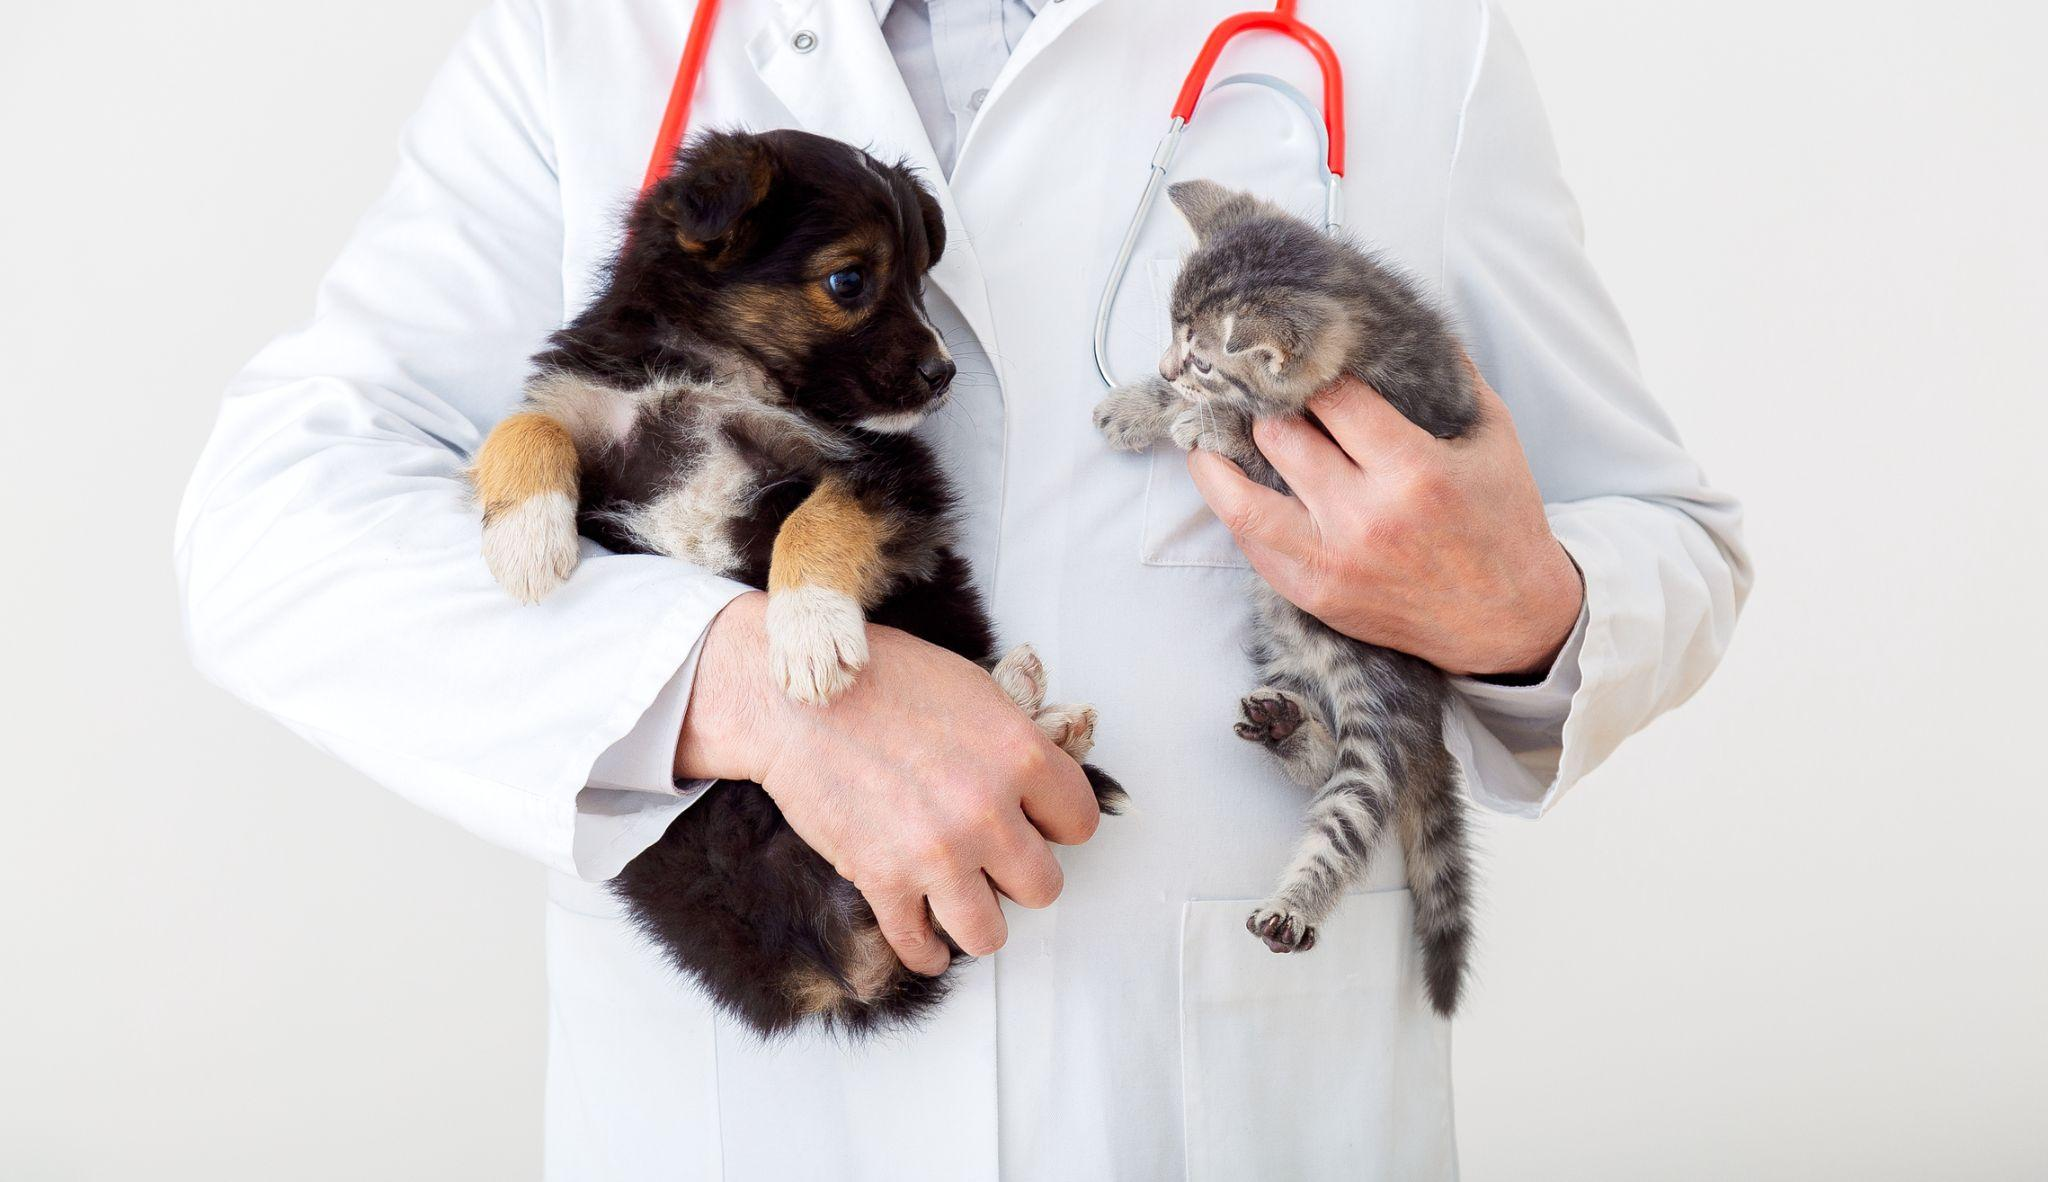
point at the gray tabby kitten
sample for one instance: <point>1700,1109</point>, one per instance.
<point>1267,311</point>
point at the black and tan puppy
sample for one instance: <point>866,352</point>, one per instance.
<point>739,396</point>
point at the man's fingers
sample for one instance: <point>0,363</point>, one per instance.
<point>1027,873</point>
<point>1364,424</point>
<point>1056,796</point>
<point>901,916</point>
<point>971,916</point>
<point>1314,467</point>
<point>1253,512</point>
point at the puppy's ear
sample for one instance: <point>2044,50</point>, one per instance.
<point>934,221</point>
<point>1209,207</point>
<point>717,180</point>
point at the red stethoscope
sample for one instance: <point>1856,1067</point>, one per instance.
<point>675,121</point>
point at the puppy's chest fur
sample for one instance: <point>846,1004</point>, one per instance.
<point>708,470</point>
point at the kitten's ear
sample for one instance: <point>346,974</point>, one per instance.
<point>1209,207</point>
<point>717,180</point>
<point>1273,337</point>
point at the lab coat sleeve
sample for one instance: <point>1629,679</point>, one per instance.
<point>328,548</point>
<point>1661,551</point>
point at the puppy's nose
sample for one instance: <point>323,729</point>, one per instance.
<point>937,373</point>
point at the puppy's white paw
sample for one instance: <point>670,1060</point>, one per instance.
<point>1071,728</point>
<point>1021,676</point>
<point>817,641</point>
<point>531,547</point>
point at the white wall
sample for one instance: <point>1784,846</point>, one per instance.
<point>1794,931</point>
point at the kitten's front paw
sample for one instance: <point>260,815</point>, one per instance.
<point>1130,417</point>
<point>1189,429</point>
<point>530,548</point>
<point>1281,929</point>
<point>817,641</point>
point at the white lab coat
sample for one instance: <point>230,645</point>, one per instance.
<point>329,556</point>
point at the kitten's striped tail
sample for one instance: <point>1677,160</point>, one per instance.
<point>1439,856</point>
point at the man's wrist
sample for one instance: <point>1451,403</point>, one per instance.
<point>1552,612</point>
<point>721,736</point>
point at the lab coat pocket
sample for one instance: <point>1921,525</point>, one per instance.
<point>1179,528</point>
<point>1324,1064</point>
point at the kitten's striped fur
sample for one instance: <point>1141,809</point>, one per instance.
<point>1266,312</point>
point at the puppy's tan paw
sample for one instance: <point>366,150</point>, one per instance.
<point>531,547</point>
<point>817,641</point>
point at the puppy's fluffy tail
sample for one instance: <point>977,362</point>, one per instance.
<point>525,477</point>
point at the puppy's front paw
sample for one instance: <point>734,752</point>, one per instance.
<point>1281,929</point>
<point>530,548</point>
<point>1130,417</point>
<point>817,641</point>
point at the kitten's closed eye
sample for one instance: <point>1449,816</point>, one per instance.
<point>1198,364</point>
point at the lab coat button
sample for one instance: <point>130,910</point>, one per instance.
<point>805,41</point>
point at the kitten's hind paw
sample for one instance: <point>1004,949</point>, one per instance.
<point>1291,727</point>
<point>1270,716</point>
<point>1281,929</point>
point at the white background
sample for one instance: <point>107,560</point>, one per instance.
<point>1793,931</point>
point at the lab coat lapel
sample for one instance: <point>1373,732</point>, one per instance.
<point>827,62</point>
<point>1054,18</point>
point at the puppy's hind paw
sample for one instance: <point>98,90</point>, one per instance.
<point>817,641</point>
<point>1021,677</point>
<point>531,548</point>
<point>1281,929</point>
<point>1071,728</point>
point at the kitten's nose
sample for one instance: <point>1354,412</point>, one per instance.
<point>1170,365</point>
<point>937,373</point>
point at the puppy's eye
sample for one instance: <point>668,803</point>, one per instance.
<point>847,284</point>
<point>1199,365</point>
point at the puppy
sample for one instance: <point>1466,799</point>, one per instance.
<point>739,395</point>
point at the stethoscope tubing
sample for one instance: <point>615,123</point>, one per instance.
<point>1162,162</point>
<point>675,123</point>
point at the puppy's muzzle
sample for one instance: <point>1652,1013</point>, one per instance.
<point>937,373</point>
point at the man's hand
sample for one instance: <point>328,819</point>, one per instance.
<point>1435,547</point>
<point>922,783</point>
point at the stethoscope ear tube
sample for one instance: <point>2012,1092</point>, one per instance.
<point>1162,160</point>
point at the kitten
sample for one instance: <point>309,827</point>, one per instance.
<point>1267,311</point>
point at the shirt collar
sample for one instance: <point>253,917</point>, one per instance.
<point>882,7</point>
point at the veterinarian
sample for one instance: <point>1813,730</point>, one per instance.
<point>1570,563</point>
